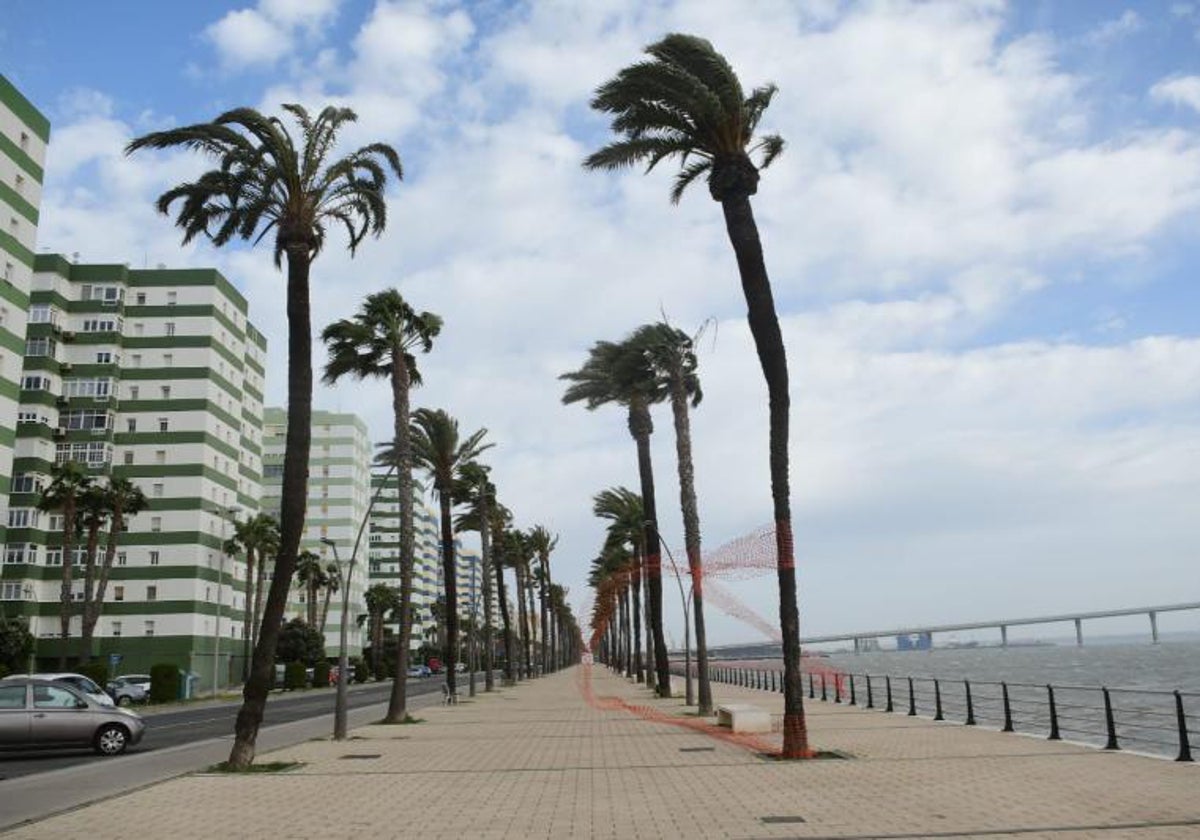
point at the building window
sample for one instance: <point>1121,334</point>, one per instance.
<point>99,387</point>
<point>134,391</point>
<point>138,329</point>
<point>149,628</point>
<point>94,454</point>
<point>104,357</point>
<point>168,360</point>
<point>170,328</point>
<point>35,383</point>
<point>141,298</point>
<point>131,424</point>
<point>156,523</point>
<point>160,456</point>
<point>153,558</point>
<point>94,325</point>
<point>171,298</point>
<point>151,593</point>
<point>116,629</point>
<point>166,392</point>
<point>128,457</point>
<point>163,424</point>
<point>118,593</point>
<point>158,490</point>
<point>135,360</point>
<point>121,558</point>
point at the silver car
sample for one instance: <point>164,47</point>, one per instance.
<point>36,713</point>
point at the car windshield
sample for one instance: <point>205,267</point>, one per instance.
<point>83,684</point>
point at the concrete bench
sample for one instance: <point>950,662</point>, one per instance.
<point>742,717</point>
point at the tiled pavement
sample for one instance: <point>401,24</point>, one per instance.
<point>565,756</point>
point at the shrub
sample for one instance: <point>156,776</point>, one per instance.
<point>321,674</point>
<point>299,643</point>
<point>294,675</point>
<point>16,643</point>
<point>361,669</point>
<point>96,671</point>
<point>4,672</point>
<point>164,683</point>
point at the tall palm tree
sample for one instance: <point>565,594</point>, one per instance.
<point>500,520</point>
<point>620,374</point>
<point>264,181</point>
<point>477,495</point>
<point>438,449</point>
<point>672,357</point>
<point>543,543</point>
<point>623,508</point>
<point>93,516</point>
<point>258,538</point>
<point>515,550</point>
<point>310,575</point>
<point>69,483</point>
<point>121,499</point>
<point>332,583</point>
<point>381,341</point>
<point>686,102</point>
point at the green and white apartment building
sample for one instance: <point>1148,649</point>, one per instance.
<point>156,375</point>
<point>24,133</point>
<point>339,491</point>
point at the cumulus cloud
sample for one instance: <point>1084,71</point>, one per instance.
<point>942,175</point>
<point>1178,90</point>
<point>1113,30</point>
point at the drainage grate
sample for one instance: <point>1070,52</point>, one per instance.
<point>697,749</point>
<point>362,755</point>
<point>781,820</point>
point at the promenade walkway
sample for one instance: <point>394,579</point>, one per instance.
<point>584,753</point>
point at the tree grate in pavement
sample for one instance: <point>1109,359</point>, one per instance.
<point>781,820</point>
<point>697,749</point>
<point>361,755</point>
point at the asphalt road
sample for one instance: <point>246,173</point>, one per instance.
<point>187,725</point>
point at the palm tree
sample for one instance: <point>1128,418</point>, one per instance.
<point>687,103</point>
<point>69,482</point>
<point>258,538</point>
<point>311,576</point>
<point>438,449</point>
<point>623,508</point>
<point>477,494</point>
<point>543,543</point>
<point>381,600</point>
<point>381,341</point>
<point>514,558</point>
<point>672,357</point>
<point>93,516</point>
<point>500,520</point>
<point>619,373</point>
<point>121,499</point>
<point>332,583</point>
<point>265,181</point>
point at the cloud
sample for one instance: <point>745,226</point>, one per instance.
<point>1114,30</point>
<point>1179,91</point>
<point>262,35</point>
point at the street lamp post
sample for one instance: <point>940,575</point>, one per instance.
<point>687,628</point>
<point>471,636</point>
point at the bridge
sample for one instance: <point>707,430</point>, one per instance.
<point>1077,618</point>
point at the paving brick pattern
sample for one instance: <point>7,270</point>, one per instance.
<point>563,757</point>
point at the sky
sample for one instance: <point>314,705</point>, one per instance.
<point>981,238</point>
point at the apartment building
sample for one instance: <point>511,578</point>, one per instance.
<point>156,375</point>
<point>24,133</point>
<point>339,488</point>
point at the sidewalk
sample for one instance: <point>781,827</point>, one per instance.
<point>586,754</point>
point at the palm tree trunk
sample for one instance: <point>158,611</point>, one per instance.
<point>325,608</point>
<point>68,571</point>
<point>485,550</point>
<point>638,673</point>
<point>294,498</point>
<point>531,614</point>
<point>110,554</point>
<point>768,341</point>
<point>641,427</point>
<point>398,702</point>
<point>256,625</point>
<point>248,622</point>
<point>650,671</point>
<point>691,534</point>
<point>543,595</point>
<point>521,617</point>
<point>91,612</point>
<point>450,585</point>
<point>627,628</point>
<point>510,662</point>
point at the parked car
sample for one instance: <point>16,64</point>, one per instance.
<point>128,690</point>
<point>419,671</point>
<point>77,681</point>
<point>140,680</point>
<point>37,713</point>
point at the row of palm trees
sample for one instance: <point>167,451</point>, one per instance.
<point>686,102</point>
<point>88,509</point>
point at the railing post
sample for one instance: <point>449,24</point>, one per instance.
<point>811,695</point>
<point>912,699</point>
<point>853,696</point>
<point>780,675</point>
<point>937,698</point>
<point>970,704</point>
<point>824,698</point>
<point>1054,736</point>
<point>1109,724</point>
<point>870,696</point>
<point>761,680</point>
<point>1185,747</point>
<point>1008,724</point>
<point>890,707</point>
<point>837,688</point>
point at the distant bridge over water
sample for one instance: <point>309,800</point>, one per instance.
<point>1077,618</point>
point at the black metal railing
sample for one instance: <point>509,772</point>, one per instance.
<point>1157,722</point>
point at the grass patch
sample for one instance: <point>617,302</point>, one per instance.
<point>265,767</point>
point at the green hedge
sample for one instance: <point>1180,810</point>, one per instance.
<point>164,683</point>
<point>321,674</point>
<point>295,675</point>
<point>96,671</point>
<point>360,668</point>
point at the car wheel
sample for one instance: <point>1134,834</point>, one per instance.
<point>124,700</point>
<point>112,739</point>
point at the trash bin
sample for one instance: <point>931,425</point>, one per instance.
<point>187,684</point>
